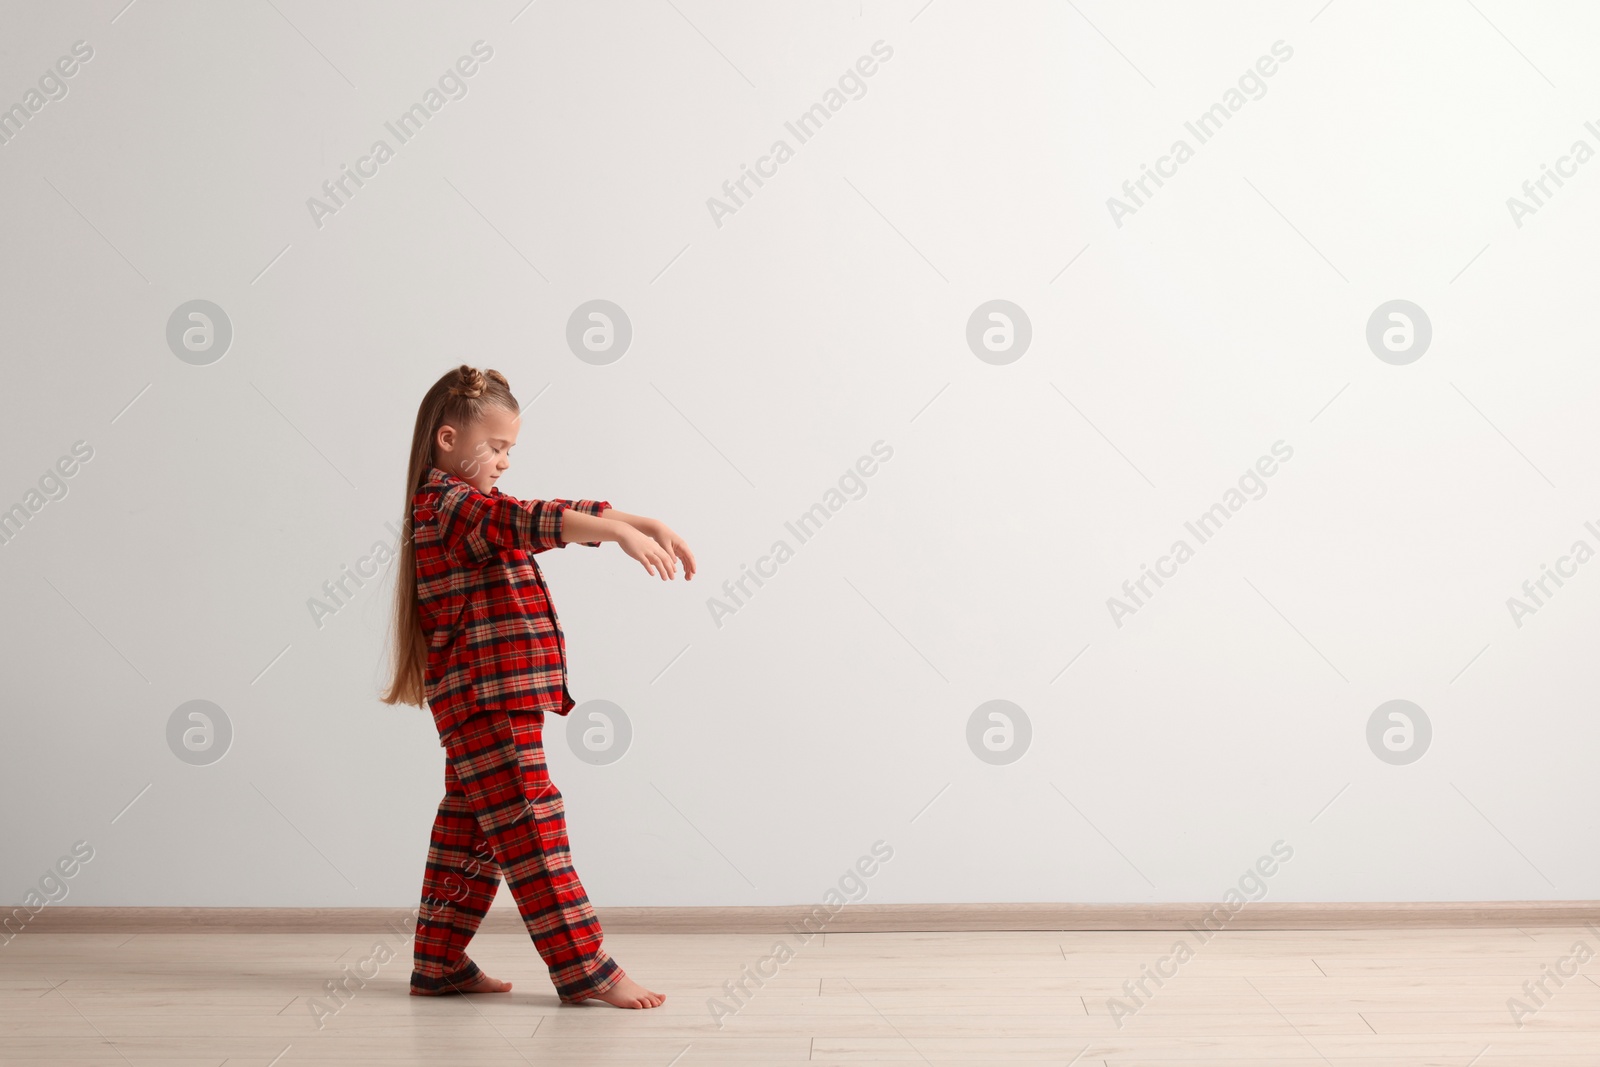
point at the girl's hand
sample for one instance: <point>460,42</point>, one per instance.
<point>675,545</point>
<point>644,548</point>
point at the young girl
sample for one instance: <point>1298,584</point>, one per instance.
<point>477,638</point>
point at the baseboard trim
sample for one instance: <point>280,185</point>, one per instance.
<point>852,918</point>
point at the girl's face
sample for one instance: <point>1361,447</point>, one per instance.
<point>479,453</point>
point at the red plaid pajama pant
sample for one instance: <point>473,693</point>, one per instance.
<point>501,814</point>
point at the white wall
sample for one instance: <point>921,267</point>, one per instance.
<point>769,353</point>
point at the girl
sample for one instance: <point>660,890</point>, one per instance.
<point>477,638</point>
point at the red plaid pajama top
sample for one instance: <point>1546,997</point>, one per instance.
<point>493,634</point>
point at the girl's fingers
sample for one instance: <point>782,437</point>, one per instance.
<point>659,561</point>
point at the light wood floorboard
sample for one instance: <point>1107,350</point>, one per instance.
<point>1428,997</point>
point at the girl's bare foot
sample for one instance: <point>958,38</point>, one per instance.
<point>481,984</point>
<point>629,994</point>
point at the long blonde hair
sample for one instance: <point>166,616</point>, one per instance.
<point>460,398</point>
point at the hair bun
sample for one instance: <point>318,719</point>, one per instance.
<point>469,382</point>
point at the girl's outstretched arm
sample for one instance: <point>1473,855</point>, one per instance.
<point>665,536</point>
<point>474,527</point>
<point>642,523</point>
<point>650,541</point>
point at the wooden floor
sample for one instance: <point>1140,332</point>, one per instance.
<point>1374,998</point>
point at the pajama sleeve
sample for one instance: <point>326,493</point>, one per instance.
<point>474,527</point>
<point>591,507</point>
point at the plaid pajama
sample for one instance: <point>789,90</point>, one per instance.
<point>493,636</point>
<point>502,814</point>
